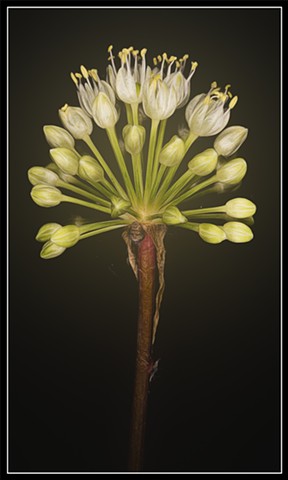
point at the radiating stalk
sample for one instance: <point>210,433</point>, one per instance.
<point>137,160</point>
<point>121,163</point>
<point>160,139</point>
<point>146,277</point>
<point>100,230</point>
<point>105,167</point>
<point>83,193</point>
<point>150,160</point>
<point>200,211</point>
<point>194,190</point>
<point>77,201</point>
<point>178,186</point>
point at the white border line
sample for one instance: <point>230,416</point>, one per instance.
<point>281,230</point>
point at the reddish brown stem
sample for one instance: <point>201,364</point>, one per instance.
<point>146,279</point>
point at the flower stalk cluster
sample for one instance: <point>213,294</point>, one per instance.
<point>145,188</point>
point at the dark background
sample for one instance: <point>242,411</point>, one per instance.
<point>214,405</point>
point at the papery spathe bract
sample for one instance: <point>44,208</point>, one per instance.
<point>76,121</point>
<point>230,140</point>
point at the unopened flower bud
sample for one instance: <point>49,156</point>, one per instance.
<point>63,176</point>
<point>66,236</point>
<point>41,175</point>
<point>65,159</point>
<point>118,206</point>
<point>46,231</point>
<point>240,208</point>
<point>173,152</point>
<point>90,170</point>
<point>134,138</point>
<point>232,172</point>
<point>173,216</point>
<point>58,137</point>
<point>211,233</point>
<point>51,250</point>
<point>46,196</point>
<point>230,140</point>
<point>76,121</point>
<point>204,163</point>
<point>104,111</point>
<point>238,232</point>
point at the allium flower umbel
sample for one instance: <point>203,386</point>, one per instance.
<point>141,183</point>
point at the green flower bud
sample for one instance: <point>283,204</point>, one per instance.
<point>204,163</point>
<point>58,137</point>
<point>66,236</point>
<point>118,206</point>
<point>65,159</point>
<point>230,140</point>
<point>238,232</point>
<point>134,138</point>
<point>76,121</point>
<point>240,208</point>
<point>51,250</point>
<point>173,216</point>
<point>173,152</point>
<point>232,172</point>
<point>64,176</point>
<point>40,175</point>
<point>46,231</point>
<point>211,233</point>
<point>90,170</point>
<point>46,196</point>
<point>104,111</point>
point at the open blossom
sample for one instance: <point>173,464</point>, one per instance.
<point>207,114</point>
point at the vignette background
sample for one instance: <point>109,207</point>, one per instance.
<point>214,405</point>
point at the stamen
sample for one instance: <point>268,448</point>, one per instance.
<point>143,52</point>
<point>233,102</point>
<point>109,49</point>
<point>64,108</point>
<point>155,61</point>
<point>78,75</point>
<point>93,74</point>
<point>84,71</point>
<point>74,79</point>
<point>213,85</point>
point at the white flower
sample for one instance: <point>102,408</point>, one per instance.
<point>159,100</point>
<point>206,114</point>
<point>128,81</point>
<point>104,111</point>
<point>89,86</point>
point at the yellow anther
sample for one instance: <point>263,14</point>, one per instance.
<point>84,71</point>
<point>93,73</point>
<point>194,65</point>
<point>227,87</point>
<point>159,58</point>
<point>130,49</point>
<point>172,59</point>
<point>78,75</point>
<point>186,56</point>
<point>135,53</point>
<point>233,102</point>
<point>165,56</point>
<point>109,49</point>
<point>213,85</point>
<point>155,61</point>
<point>143,52</point>
<point>64,108</point>
<point>229,94</point>
<point>178,64</point>
<point>74,79</point>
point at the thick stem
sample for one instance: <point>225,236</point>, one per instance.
<point>146,278</point>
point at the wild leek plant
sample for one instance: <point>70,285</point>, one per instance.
<point>144,194</point>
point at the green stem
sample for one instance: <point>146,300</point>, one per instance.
<point>108,186</point>
<point>160,139</point>
<point>104,165</point>
<point>128,113</point>
<point>178,186</point>
<point>189,226</point>
<point>151,150</point>
<point>101,230</point>
<point>137,160</point>
<point>194,190</point>
<point>199,211</point>
<point>121,163</point>
<point>78,190</point>
<point>77,201</point>
<point>96,226</point>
